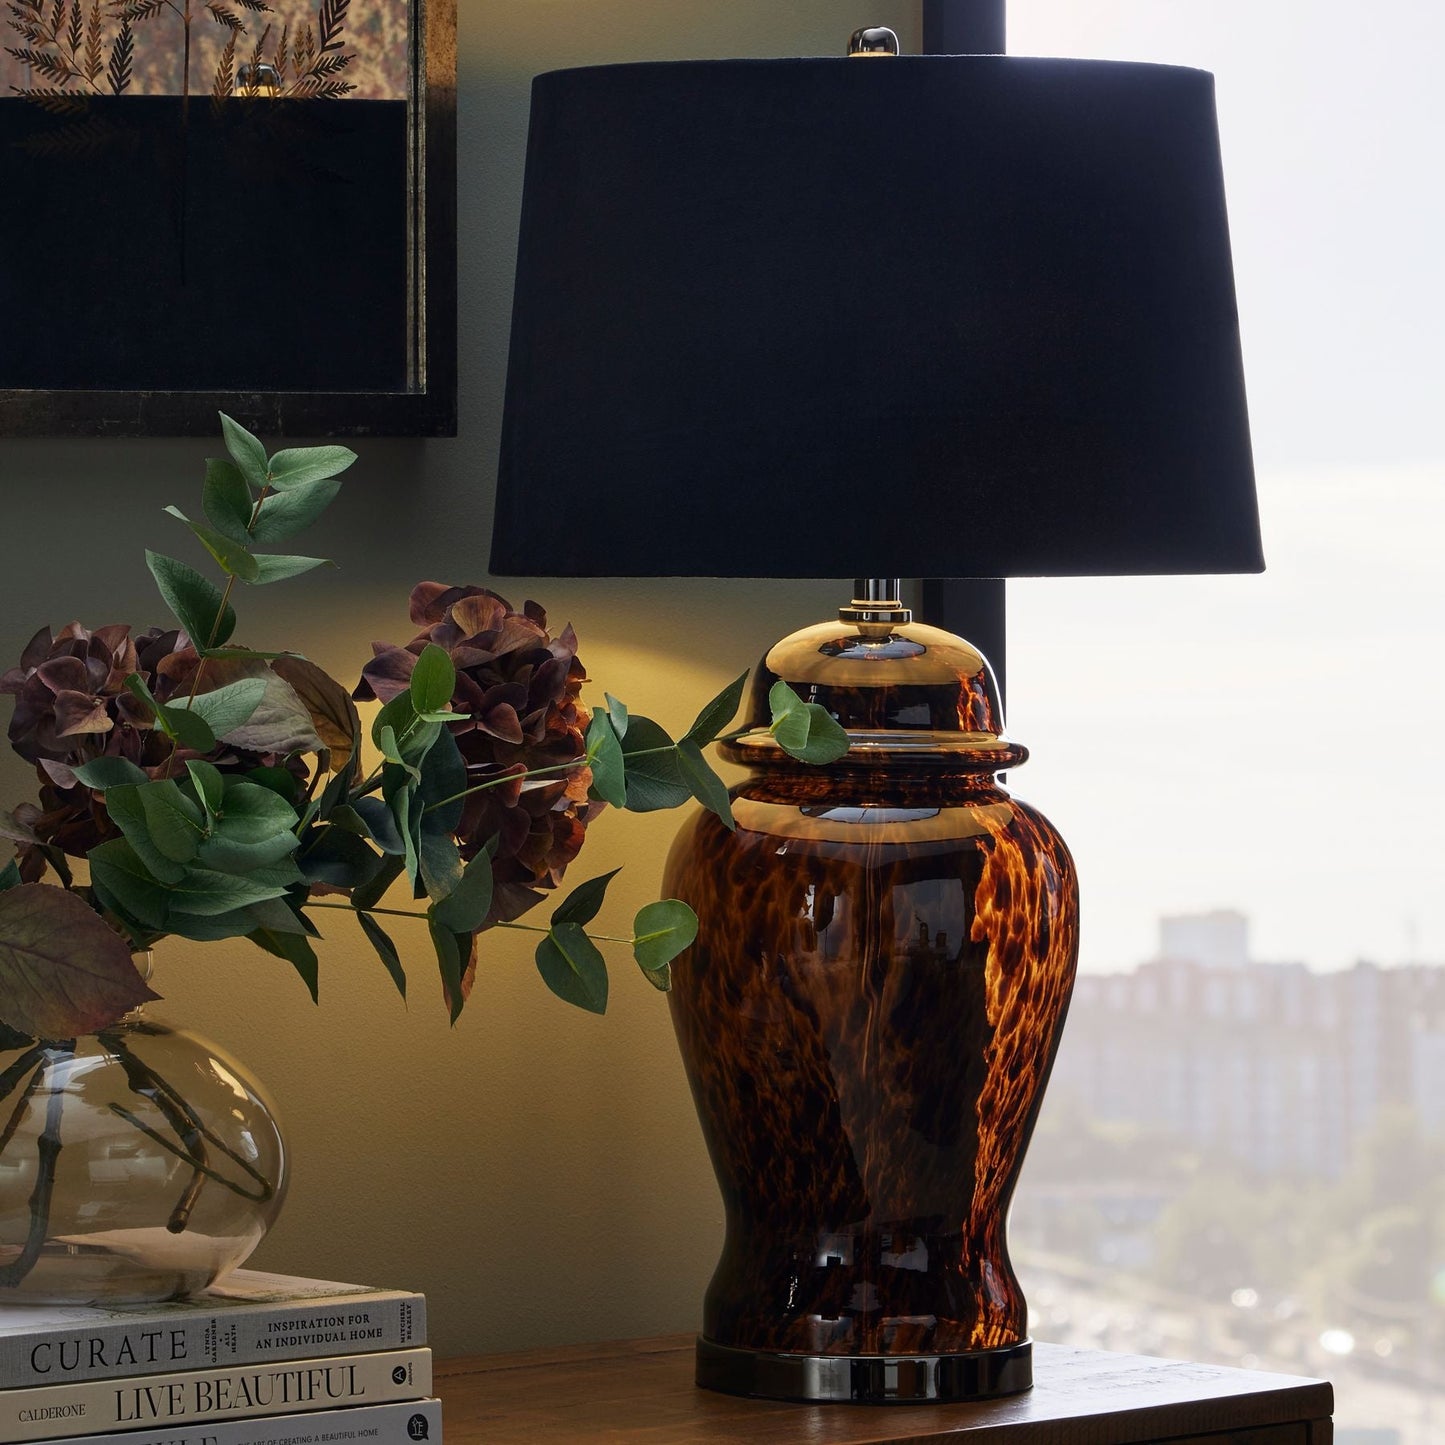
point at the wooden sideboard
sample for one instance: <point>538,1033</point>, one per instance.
<point>642,1391</point>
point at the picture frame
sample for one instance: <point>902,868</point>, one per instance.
<point>418,397</point>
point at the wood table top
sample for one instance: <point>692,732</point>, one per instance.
<point>643,1391</point>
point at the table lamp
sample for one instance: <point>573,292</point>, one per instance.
<point>965,316</point>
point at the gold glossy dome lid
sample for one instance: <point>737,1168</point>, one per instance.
<point>904,692</point>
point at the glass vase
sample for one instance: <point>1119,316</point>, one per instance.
<point>137,1163</point>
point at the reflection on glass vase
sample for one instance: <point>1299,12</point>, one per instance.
<point>137,1163</point>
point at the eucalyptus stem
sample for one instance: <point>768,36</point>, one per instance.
<point>48,1151</point>
<point>9,1079</point>
<point>422,918</point>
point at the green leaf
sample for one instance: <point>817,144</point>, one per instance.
<point>251,813</point>
<point>189,729</point>
<point>247,453</point>
<point>617,711</point>
<point>279,781</point>
<point>280,722</point>
<point>654,779</point>
<point>297,951</point>
<point>9,876</point>
<point>582,903</point>
<point>232,557</point>
<point>229,708</point>
<point>230,855</point>
<point>715,717</point>
<point>194,601</point>
<point>380,825</point>
<point>465,908</point>
<point>660,932</point>
<point>339,858</point>
<point>572,966</point>
<point>103,773</point>
<point>604,755</point>
<point>210,786</point>
<point>63,970</point>
<point>399,791</point>
<point>226,500</point>
<point>451,961</point>
<point>297,466</point>
<point>283,514</point>
<point>385,950</point>
<point>175,825</point>
<point>411,738</point>
<point>272,568</point>
<point>707,787</point>
<point>124,807</point>
<point>440,863</point>
<point>443,776</point>
<point>205,892</point>
<point>370,894</point>
<point>805,730</point>
<point>123,883</point>
<point>432,679</point>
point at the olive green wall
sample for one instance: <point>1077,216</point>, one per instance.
<point>536,1171</point>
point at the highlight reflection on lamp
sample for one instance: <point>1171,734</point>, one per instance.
<point>936,316</point>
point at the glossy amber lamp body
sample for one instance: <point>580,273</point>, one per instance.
<point>867,1019</point>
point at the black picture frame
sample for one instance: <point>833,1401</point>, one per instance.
<point>428,405</point>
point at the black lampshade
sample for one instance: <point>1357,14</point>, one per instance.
<point>919,316</point>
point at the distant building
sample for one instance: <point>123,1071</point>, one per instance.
<point>1273,1064</point>
<point>1217,940</point>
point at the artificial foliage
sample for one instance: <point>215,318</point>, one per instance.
<point>195,787</point>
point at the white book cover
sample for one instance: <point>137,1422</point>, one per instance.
<point>404,1423</point>
<point>192,1398</point>
<point>247,1318</point>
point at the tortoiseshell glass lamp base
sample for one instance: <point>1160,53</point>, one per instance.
<point>867,1019</point>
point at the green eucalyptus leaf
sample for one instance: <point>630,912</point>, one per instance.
<point>206,892</point>
<point>398,789</point>
<point>654,779</point>
<point>440,863</point>
<point>617,713</point>
<point>174,823</point>
<point>9,876</point>
<point>660,932</point>
<point>63,970</point>
<point>297,951</point>
<point>714,718</point>
<point>284,513</point>
<point>226,500</point>
<point>296,466</point>
<point>273,568</point>
<point>380,825</point>
<point>572,966</point>
<point>339,858</point>
<point>125,809</point>
<point>231,556</point>
<point>246,451</point>
<point>227,709</point>
<point>385,950</point>
<point>706,786</point>
<point>465,908</point>
<point>103,773</point>
<point>281,782</point>
<point>280,722</point>
<point>227,855</point>
<point>452,960</point>
<point>433,679</point>
<point>805,730</point>
<point>443,777</point>
<point>188,728</point>
<point>195,601</point>
<point>604,755</point>
<point>210,786</point>
<point>583,902</point>
<point>251,813</point>
<point>283,915</point>
<point>370,894</point>
<point>124,884</point>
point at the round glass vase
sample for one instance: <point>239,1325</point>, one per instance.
<point>137,1163</point>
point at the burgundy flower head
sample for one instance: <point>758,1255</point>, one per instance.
<point>519,686</point>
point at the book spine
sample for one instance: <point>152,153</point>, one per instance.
<point>399,1424</point>
<point>211,1339</point>
<point>192,1399</point>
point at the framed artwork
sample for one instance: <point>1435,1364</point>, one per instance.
<point>239,205</point>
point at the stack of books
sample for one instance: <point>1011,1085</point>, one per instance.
<point>258,1360</point>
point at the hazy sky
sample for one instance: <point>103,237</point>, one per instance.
<point>1277,743</point>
